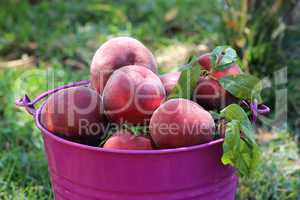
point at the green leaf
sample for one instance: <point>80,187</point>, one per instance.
<point>136,130</point>
<point>190,62</point>
<point>236,112</point>
<point>241,152</point>
<point>243,86</point>
<point>231,143</point>
<point>105,137</point>
<point>187,82</point>
<point>237,152</point>
<point>215,115</point>
<point>227,55</point>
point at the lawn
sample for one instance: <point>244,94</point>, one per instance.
<point>44,44</point>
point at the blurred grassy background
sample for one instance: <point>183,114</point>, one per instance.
<point>55,40</point>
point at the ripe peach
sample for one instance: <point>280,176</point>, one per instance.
<point>211,95</point>
<point>132,94</point>
<point>127,141</point>
<point>204,61</point>
<point>75,114</point>
<point>170,80</point>
<point>180,123</point>
<point>116,53</point>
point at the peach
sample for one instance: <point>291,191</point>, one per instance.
<point>116,53</point>
<point>75,114</point>
<point>132,94</point>
<point>180,123</point>
<point>209,92</point>
<point>127,141</point>
<point>211,95</point>
<point>170,80</point>
<point>204,61</point>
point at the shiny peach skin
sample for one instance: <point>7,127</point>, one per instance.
<point>211,95</point>
<point>127,141</point>
<point>64,110</point>
<point>116,53</point>
<point>132,94</point>
<point>181,123</point>
<point>170,80</point>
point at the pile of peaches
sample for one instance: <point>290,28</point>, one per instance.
<point>127,103</point>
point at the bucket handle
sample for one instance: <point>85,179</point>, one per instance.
<point>29,105</point>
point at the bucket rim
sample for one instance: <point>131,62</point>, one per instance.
<point>118,151</point>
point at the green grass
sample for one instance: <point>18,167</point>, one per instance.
<point>23,167</point>
<point>63,38</point>
<point>278,175</point>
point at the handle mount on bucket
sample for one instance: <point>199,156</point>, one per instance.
<point>29,105</point>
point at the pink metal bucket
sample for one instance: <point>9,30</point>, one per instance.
<point>80,172</point>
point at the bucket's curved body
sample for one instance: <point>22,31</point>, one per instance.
<point>80,172</point>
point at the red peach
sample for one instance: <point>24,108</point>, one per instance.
<point>75,114</point>
<point>204,61</point>
<point>211,95</point>
<point>116,53</point>
<point>181,123</point>
<point>170,80</point>
<point>132,94</point>
<point>127,141</point>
